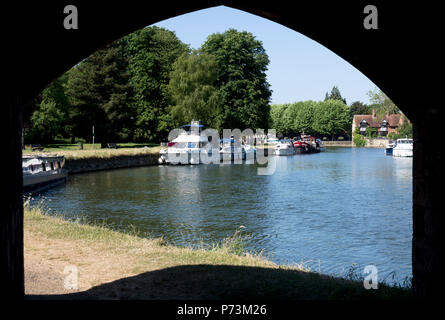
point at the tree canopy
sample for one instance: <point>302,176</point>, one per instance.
<point>145,84</point>
<point>241,79</point>
<point>151,53</point>
<point>193,90</point>
<point>330,117</point>
<point>334,95</point>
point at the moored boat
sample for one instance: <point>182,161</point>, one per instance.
<point>41,172</point>
<point>230,150</point>
<point>403,148</point>
<point>307,144</point>
<point>188,147</point>
<point>284,147</point>
<point>389,148</point>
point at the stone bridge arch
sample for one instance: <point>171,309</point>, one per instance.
<point>400,57</point>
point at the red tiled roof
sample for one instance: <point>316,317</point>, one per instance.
<point>392,119</point>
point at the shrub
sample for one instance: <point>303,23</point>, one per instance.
<point>359,140</point>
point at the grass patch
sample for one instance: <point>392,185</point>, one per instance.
<point>73,154</point>
<point>151,268</point>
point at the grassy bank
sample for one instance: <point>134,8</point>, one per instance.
<point>97,153</point>
<point>120,265</point>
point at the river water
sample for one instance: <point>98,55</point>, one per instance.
<point>330,211</point>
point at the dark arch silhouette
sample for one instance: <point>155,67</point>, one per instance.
<point>399,57</point>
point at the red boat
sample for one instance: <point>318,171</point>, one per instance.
<point>307,144</point>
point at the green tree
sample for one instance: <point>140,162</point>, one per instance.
<point>304,117</point>
<point>331,117</point>
<point>359,107</point>
<point>151,53</point>
<point>276,117</point>
<point>98,90</point>
<point>334,95</point>
<point>51,116</point>
<point>193,90</point>
<point>241,79</point>
<point>382,103</point>
<point>46,122</point>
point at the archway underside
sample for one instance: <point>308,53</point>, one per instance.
<point>397,61</point>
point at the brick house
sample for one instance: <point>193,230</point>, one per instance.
<point>390,123</point>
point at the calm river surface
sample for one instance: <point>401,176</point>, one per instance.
<point>329,210</point>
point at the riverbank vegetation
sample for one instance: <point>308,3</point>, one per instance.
<point>122,265</point>
<point>330,118</point>
<point>89,152</point>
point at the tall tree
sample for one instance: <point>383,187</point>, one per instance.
<point>304,118</point>
<point>382,103</point>
<point>359,107</point>
<point>151,53</point>
<point>193,90</point>
<point>331,117</point>
<point>50,118</point>
<point>276,118</point>
<point>98,89</point>
<point>243,87</point>
<point>334,95</point>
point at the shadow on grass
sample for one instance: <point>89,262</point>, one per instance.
<point>232,282</point>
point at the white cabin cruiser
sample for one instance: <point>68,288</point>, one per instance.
<point>41,172</point>
<point>230,150</point>
<point>249,152</point>
<point>403,148</point>
<point>285,148</point>
<point>188,147</point>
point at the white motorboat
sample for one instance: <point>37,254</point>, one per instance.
<point>284,148</point>
<point>41,172</point>
<point>403,148</point>
<point>188,147</point>
<point>230,150</point>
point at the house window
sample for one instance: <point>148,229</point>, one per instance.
<point>363,126</point>
<point>384,128</point>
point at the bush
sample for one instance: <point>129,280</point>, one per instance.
<point>359,140</point>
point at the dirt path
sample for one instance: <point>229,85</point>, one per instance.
<point>46,260</point>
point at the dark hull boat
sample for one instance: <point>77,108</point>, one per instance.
<point>307,144</point>
<point>42,172</point>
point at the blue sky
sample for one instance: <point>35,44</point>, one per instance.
<point>300,68</point>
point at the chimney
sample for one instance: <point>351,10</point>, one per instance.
<point>373,112</point>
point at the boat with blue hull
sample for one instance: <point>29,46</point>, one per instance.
<point>389,148</point>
